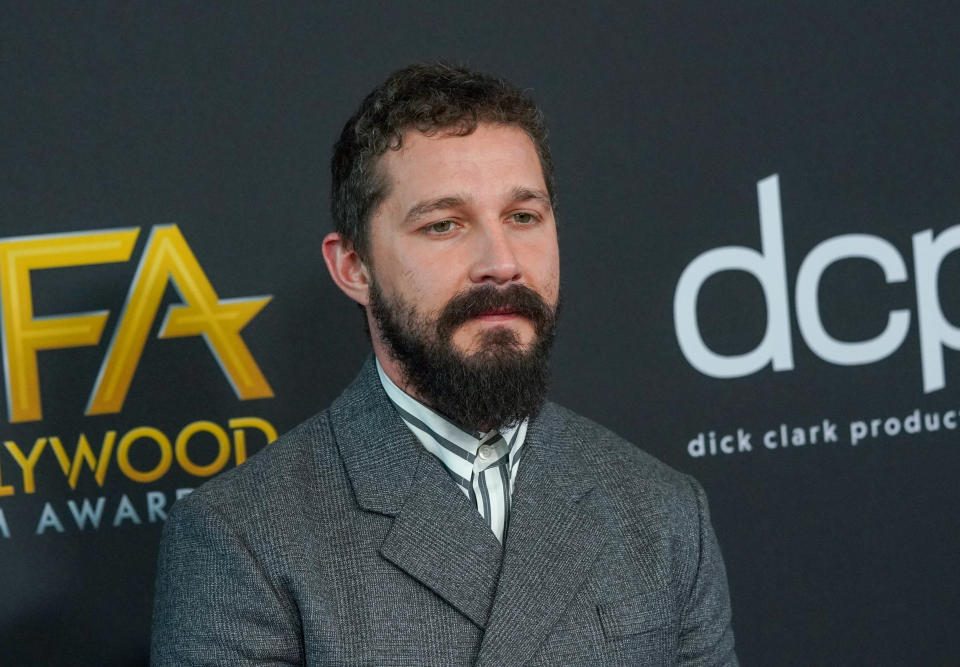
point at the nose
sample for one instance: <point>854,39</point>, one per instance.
<point>495,260</point>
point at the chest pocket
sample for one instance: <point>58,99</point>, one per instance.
<point>636,614</point>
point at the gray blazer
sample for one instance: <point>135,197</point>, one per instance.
<point>346,543</point>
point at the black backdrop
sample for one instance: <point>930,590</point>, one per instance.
<point>219,117</point>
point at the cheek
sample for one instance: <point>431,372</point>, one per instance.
<point>400,275</point>
<point>432,281</point>
<point>552,286</point>
<point>428,291</point>
<point>548,273</point>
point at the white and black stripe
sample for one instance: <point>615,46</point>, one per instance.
<point>484,465</point>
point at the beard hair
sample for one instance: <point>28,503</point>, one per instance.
<point>500,384</point>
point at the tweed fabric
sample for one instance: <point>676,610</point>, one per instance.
<point>346,543</point>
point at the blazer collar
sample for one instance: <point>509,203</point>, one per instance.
<point>555,532</point>
<point>381,454</point>
<point>379,451</point>
<point>436,536</point>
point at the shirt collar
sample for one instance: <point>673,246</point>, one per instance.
<point>437,433</point>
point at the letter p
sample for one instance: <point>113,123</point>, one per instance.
<point>935,331</point>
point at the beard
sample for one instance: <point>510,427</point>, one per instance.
<point>498,385</point>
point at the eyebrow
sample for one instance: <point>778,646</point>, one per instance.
<point>421,209</point>
<point>517,194</point>
<point>526,194</point>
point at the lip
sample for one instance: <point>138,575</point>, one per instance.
<point>498,316</point>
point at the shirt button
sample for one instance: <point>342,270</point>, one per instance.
<point>485,452</point>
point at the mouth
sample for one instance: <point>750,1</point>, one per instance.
<point>497,314</point>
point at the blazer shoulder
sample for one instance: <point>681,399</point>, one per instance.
<point>662,516</point>
<point>274,481</point>
<point>627,472</point>
<point>600,443</point>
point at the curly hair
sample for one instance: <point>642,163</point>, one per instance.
<point>430,98</point>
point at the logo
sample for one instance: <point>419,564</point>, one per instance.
<point>166,259</point>
<point>768,266</point>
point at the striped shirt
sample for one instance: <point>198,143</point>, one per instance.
<point>484,465</point>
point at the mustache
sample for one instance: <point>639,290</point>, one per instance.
<point>518,299</point>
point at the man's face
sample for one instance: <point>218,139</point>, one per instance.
<point>465,273</point>
<point>464,213</point>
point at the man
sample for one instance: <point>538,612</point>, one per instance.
<point>440,512</point>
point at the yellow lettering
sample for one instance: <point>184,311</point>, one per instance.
<point>123,454</point>
<point>84,454</point>
<point>168,258</point>
<point>60,453</point>
<point>5,490</point>
<point>26,463</point>
<point>23,334</point>
<point>223,454</point>
<point>240,436</point>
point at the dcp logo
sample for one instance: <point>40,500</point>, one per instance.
<point>769,267</point>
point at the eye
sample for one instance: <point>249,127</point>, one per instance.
<point>522,218</point>
<point>440,227</point>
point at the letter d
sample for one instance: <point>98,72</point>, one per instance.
<point>697,447</point>
<point>769,267</point>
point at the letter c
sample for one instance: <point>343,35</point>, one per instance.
<point>823,344</point>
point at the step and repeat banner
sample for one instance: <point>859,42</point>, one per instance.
<point>759,213</point>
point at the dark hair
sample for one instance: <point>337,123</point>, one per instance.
<point>430,98</point>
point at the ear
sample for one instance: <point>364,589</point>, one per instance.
<point>346,268</point>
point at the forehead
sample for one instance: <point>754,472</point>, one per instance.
<point>492,160</point>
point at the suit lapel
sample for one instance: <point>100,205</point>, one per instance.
<point>440,539</point>
<point>554,536</point>
<point>436,536</point>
